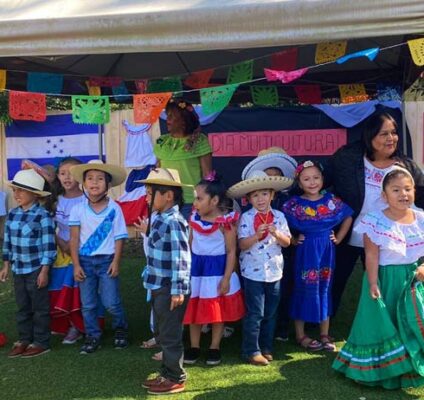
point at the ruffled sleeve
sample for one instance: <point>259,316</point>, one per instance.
<point>202,146</point>
<point>382,232</point>
<point>175,149</point>
<point>228,220</point>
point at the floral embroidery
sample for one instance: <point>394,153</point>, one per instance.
<point>325,273</point>
<point>310,211</point>
<point>313,276</point>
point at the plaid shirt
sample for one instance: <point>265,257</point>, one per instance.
<point>168,253</point>
<point>29,239</point>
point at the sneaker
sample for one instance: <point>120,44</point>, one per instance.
<point>120,340</point>
<point>191,355</point>
<point>228,331</point>
<point>213,357</point>
<point>72,336</point>
<point>282,338</point>
<point>17,349</point>
<point>148,383</point>
<point>90,345</point>
<point>34,350</point>
<point>165,386</point>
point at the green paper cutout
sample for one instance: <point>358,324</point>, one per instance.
<point>172,84</point>
<point>217,98</point>
<point>241,72</point>
<point>90,109</point>
<point>264,95</point>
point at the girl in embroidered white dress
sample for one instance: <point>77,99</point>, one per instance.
<point>215,287</point>
<point>386,343</point>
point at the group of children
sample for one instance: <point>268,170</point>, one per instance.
<point>191,275</point>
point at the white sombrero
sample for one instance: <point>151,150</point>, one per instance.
<point>29,180</point>
<point>117,173</point>
<point>258,180</point>
<point>165,177</point>
<point>273,157</point>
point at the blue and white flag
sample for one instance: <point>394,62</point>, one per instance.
<point>46,142</point>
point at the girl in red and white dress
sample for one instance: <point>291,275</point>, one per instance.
<point>215,288</point>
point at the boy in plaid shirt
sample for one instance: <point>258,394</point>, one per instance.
<point>29,248</point>
<point>167,276</point>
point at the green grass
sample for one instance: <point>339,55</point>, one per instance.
<point>63,374</point>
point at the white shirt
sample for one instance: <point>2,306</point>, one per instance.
<point>98,231</point>
<point>63,210</point>
<point>139,151</point>
<point>263,261</point>
<point>2,203</point>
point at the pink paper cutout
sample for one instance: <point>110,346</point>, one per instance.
<point>283,76</point>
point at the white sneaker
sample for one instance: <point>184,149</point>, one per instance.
<point>72,336</point>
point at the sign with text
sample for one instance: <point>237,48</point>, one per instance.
<point>312,142</point>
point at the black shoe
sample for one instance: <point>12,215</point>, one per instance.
<point>90,345</point>
<point>120,340</point>
<point>191,355</point>
<point>213,357</point>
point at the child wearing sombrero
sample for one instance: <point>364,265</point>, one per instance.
<point>98,231</point>
<point>262,232</point>
<point>29,249</point>
<point>167,275</point>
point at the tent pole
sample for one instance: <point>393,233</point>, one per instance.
<point>404,135</point>
<point>100,142</point>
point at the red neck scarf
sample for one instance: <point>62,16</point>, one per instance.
<point>263,218</point>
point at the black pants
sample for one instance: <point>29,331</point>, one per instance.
<point>32,317</point>
<point>169,326</point>
<point>346,257</point>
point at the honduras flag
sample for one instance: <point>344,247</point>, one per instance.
<point>46,142</point>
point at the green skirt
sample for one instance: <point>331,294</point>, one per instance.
<point>386,343</point>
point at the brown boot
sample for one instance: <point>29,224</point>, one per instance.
<point>258,360</point>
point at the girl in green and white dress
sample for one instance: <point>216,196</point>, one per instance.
<point>386,343</point>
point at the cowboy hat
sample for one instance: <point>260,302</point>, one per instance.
<point>258,180</point>
<point>163,176</point>
<point>273,157</point>
<point>117,173</point>
<point>29,180</point>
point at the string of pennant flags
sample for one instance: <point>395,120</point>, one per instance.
<point>153,95</point>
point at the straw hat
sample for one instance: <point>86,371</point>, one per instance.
<point>117,173</point>
<point>165,177</point>
<point>29,180</point>
<point>272,157</point>
<point>258,180</point>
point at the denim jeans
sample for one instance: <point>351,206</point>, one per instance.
<point>98,283</point>
<point>261,300</point>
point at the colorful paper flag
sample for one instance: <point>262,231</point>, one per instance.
<point>42,82</point>
<point>284,76</point>
<point>329,51</point>
<point>308,94</point>
<point>264,95</point>
<point>2,79</point>
<point>388,92</point>
<point>217,98</point>
<point>200,79</point>
<point>171,84</point>
<point>353,93</point>
<point>241,72</point>
<point>27,106</point>
<point>120,93</point>
<point>90,109</point>
<point>105,81</point>
<point>285,60</point>
<point>369,53</point>
<point>416,47</point>
<point>141,85</point>
<point>147,107</point>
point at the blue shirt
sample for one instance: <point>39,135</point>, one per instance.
<point>168,253</point>
<point>29,239</point>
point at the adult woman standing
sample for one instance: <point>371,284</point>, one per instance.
<point>184,148</point>
<point>356,172</point>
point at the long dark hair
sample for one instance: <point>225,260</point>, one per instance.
<point>187,113</point>
<point>371,130</point>
<point>214,186</point>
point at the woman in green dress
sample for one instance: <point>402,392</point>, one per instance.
<point>386,343</point>
<point>184,148</point>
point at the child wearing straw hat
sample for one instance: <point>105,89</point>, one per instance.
<point>98,231</point>
<point>29,248</point>
<point>262,233</point>
<point>167,276</point>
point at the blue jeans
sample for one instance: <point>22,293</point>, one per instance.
<point>98,283</point>
<point>261,300</point>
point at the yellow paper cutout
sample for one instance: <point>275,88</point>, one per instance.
<point>93,90</point>
<point>329,51</point>
<point>353,93</point>
<point>2,79</point>
<point>416,47</point>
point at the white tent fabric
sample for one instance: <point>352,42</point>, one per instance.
<point>58,27</point>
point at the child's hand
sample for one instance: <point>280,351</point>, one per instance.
<point>375,291</point>
<point>333,238</point>
<point>262,229</point>
<point>141,226</point>
<point>79,274</point>
<point>176,300</point>
<point>43,277</point>
<point>299,240</point>
<point>4,273</point>
<point>419,273</point>
<point>224,286</point>
<point>113,270</point>
<point>272,229</point>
